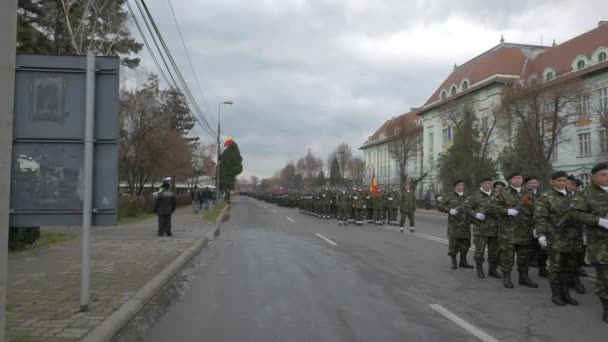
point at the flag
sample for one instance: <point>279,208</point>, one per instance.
<point>373,186</point>
<point>228,142</point>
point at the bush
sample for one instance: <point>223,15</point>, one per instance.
<point>21,237</point>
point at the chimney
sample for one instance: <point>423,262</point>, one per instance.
<point>602,22</point>
<point>502,39</point>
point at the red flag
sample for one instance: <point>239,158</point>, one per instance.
<point>228,142</point>
<point>373,186</point>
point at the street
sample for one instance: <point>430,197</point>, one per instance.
<point>278,275</point>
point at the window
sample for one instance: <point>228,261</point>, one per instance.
<point>601,57</point>
<point>431,163</point>
<point>447,135</point>
<point>453,90</point>
<point>603,100</point>
<point>603,142</point>
<point>431,142</point>
<point>444,94</point>
<point>549,76</point>
<point>585,178</point>
<point>583,106</point>
<point>465,85</point>
<point>584,144</point>
<point>580,64</point>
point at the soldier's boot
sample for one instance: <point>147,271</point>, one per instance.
<point>578,286</point>
<point>454,263</point>
<point>556,293</point>
<point>463,261</point>
<point>506,280</point>
<point>605,305</point>
<point>493,273</point>
<point>524,279</point>
<point>340,223</point>
<point>566,294</point>
<point>479,266</point>
<point>169,233</point>
<point>412,229</point>
<point>542,270</point>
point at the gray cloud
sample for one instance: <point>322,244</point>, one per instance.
<point>312,74</point>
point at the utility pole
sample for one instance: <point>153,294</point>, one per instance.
<point>8,46</point>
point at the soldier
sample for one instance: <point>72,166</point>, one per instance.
<point>538,256</point>
<point>342,202</point>
<point>558,236</point>
<point>164,207</point>
<point>361,206</point>
<point>591,210</point>
<point>393,204</point>
<point>575,186</point>
<point>369,207</point>
<point>513,234</point>
<point>499,186</point>
<point>379,207</point>
<point>407,207</point>
<point>354,203</point>
<point>459,230</point>
<point>484,229</point>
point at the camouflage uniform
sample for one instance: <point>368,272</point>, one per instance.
<point>459,228</point>
<point>592,205</point>
<point>343,202</point>
<point>393,206</point>
<point>354,203</point>
<point>551,207</point>
<point>379,203</point>
<point>369,208</point>
<point>362,206</point>
<point>408,208</point>
<point>485,233</point>
<point>514,235</point>
<point>538,255</point>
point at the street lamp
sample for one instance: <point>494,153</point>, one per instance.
<point>217,167</point>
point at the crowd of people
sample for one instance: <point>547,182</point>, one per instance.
<point>513,223</point>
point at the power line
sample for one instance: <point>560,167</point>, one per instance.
<point>175,67</point>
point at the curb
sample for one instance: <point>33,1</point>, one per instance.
<point>117,320</point>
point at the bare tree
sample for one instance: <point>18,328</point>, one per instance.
<point>255,180</point>
<point>405,143</point>
<point>356,169</point>
<point>542,114</point>
<point>309,166</point>
<point>288,175</point>
<point>343,153</point>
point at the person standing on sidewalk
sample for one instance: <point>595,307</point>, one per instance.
<point>408,207</point>
<point>428,199</point>
<point>164,207</point>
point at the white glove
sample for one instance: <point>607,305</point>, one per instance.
<point>542,241</point>
<point>480,216</point>
<point>453,212</point>
<point>603,223</point>
<point>512,212</point>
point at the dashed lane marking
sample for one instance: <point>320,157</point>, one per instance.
<point>326,239</point>
<point>480,334</point>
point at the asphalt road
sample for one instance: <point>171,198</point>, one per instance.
<point>278,275</point>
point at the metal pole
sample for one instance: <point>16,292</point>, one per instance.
<point>217,168</point>
<point>87,203</point>
<point>8,42</point>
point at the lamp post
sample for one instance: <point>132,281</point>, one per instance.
<point>217,168</point>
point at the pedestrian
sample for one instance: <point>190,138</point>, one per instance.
<point>459,230</point>
<point>485,230</point>
<point>591,209</point>
<point>428,200</point>
<point>194,195</point>
<point>408,208</point>
<point>206,197</point>
<point>164,207</point>
<point>558,237</point>
<point>514,235</point>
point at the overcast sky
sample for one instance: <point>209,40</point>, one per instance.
<point>315,73</point>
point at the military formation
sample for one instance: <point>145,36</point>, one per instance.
<point>513,225</point>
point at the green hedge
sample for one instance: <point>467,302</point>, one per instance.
<point>133,206</point>
<point>21,237</point>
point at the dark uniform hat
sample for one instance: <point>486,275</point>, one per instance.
<point>599,167</point>
<point>486,179</point>
<point>571,178</point>
<point>458,181</point>
<point>499,182</point>
<point>579,182</point>
<point>529,178</point>
<point>559,174</point>
<point>514,174</point>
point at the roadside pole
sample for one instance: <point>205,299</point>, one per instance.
<point>87,203</point>
<point>8,44</point>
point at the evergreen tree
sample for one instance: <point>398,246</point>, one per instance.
<point>320,181</point>
<point>231,165</point>
<point>334,173</point>
<point>465,159</point>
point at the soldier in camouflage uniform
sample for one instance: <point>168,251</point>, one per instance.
<point>379,207</point>
<point>407,207</point>
<point>343,202</point>
<point>485,231</point>
<point>369,207</point>
<point>459,228</point>
<point>591,210</point>
<point>558,236</point>
<point>514,236</point>
<point>393,203</point>
<point>362,206</point>
<point>354,199</point>
<point>572,188</point>
<point>538,257</point>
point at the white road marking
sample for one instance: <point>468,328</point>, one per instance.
<point>265,207</point>
<point>423,236</point>
<point>483,336</point>
<point>290,219</point>
<point>326,239</point>
<point>274,211</point>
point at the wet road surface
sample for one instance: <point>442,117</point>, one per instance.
<point>278,275</point>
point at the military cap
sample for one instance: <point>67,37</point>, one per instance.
<point>529,178</point>
<point>514,174</point>
<point>572,178</point>
<point>579,182</point>
<point>458,181</point>
<point>486,179</point>
<point>599,167</point>
<point>499,182</point>
<point>559,174</point>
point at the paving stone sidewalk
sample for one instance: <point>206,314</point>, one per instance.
<point>44,284</point>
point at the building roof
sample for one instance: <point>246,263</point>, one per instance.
<point>387,130</point>
<point>561,57</point>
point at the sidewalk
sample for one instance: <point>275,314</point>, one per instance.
<point>44,284</point>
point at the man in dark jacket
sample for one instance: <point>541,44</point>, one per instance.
<point>164,208</point>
